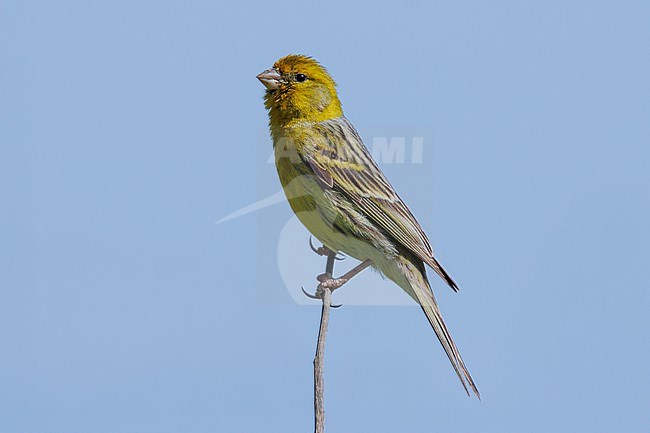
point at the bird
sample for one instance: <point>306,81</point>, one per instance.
<point>339,193</point>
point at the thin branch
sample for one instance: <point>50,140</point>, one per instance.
<point>319,383</point>
<point>324,292</point>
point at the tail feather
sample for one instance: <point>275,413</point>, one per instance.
<point>430,308</point>
<point>424,296</point>
<point>436,266</point>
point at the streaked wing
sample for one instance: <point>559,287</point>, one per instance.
<point>342,162</point>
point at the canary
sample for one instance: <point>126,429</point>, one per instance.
<point>339,193</point>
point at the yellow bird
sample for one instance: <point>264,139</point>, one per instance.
<point>339,193</point>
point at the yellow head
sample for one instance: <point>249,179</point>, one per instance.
<point>299,89</point>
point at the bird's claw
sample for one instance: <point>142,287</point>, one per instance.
<point>323,250</point>
<point>307,294</point>
<point>319,295</point>
<point>313,248</point>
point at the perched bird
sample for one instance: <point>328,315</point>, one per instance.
<point>339,193</point>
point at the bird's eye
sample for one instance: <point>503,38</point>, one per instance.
<point>301,77</point>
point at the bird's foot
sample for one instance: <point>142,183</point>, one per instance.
<point>328,282</point>
<point>320,290</point>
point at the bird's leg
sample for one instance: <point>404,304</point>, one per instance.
<point>329,268</point>
<point>326,281</point>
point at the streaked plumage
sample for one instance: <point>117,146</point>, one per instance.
<point>339,193</point>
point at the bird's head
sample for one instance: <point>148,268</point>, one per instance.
<point>298,88</point>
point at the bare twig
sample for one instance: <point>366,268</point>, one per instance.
<point>319,384</point>
<point>324,292</point>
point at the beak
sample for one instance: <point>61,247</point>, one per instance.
<point>270,78</point>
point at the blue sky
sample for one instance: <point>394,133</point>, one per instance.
<point>127,129</point>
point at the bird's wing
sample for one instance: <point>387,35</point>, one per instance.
<point>341,161</point>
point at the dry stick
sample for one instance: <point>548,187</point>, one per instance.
<point>319,384</point>
<point>324,292</point>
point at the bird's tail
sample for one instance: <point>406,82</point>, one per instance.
<point>424,296</point>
